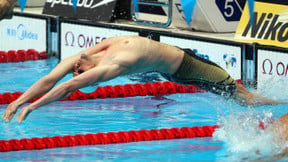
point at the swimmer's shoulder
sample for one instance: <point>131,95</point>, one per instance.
<point>117,39</point>
<point>125,37</point>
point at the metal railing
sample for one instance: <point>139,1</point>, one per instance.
<point>138,17</point>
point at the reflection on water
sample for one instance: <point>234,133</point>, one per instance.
<point>105,115</point>
<point>21,75</point>
<point>146,77</point>
<point>180,150</point>
<point>239,137</point>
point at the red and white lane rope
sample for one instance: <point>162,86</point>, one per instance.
<point>128,90</point>
<point>106,138</point>
<point>21,55</point>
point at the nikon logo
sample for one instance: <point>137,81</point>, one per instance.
<point>267,27</point>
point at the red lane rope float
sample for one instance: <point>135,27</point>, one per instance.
<point>128,90</point>
<point>106,138</point>
<point>21,55</point>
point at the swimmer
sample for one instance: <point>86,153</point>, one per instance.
<point>125,55</point>
<point>6,8</point>
<point>281,127</point>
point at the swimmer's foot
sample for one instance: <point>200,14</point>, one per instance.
<point>258,100</point>
<point>245,97</point>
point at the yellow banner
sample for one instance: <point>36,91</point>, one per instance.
<point>270,25</point>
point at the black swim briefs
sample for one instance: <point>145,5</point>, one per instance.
<point>203,74</point>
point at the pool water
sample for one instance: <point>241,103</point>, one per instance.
<point>135,113</point>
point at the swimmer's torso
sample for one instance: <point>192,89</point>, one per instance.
<point>138,54</point>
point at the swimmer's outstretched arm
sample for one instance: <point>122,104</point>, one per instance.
<point>97,74</point>
<point>40,87</point>
<point>47,82</point>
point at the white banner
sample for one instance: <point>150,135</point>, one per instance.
<point>272,68</point>
<point>23,33</point>
<point>226,56</point>
<point>75,37</point>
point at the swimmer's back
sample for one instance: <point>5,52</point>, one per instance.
<point>149,54</point>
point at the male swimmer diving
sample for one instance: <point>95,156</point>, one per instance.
<point>124,55</point>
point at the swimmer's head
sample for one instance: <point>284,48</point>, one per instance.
<point>84,64</point>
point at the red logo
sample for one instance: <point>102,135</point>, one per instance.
<point>269,67</point>
<point>81,40</point>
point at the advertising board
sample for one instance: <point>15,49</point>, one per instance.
<point>95,10</point>
<point>77,37</point>
<point>272,68</point>
<point>269,27</point>
<point>23,32</point>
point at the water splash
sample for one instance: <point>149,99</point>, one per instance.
<point>242,135</point>
<point>265,88</point>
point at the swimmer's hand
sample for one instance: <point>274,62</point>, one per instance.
<point>10,111</point>
<point>25,111</point>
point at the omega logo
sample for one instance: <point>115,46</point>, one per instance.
<point>81,40</point>
<point>280,67</point>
